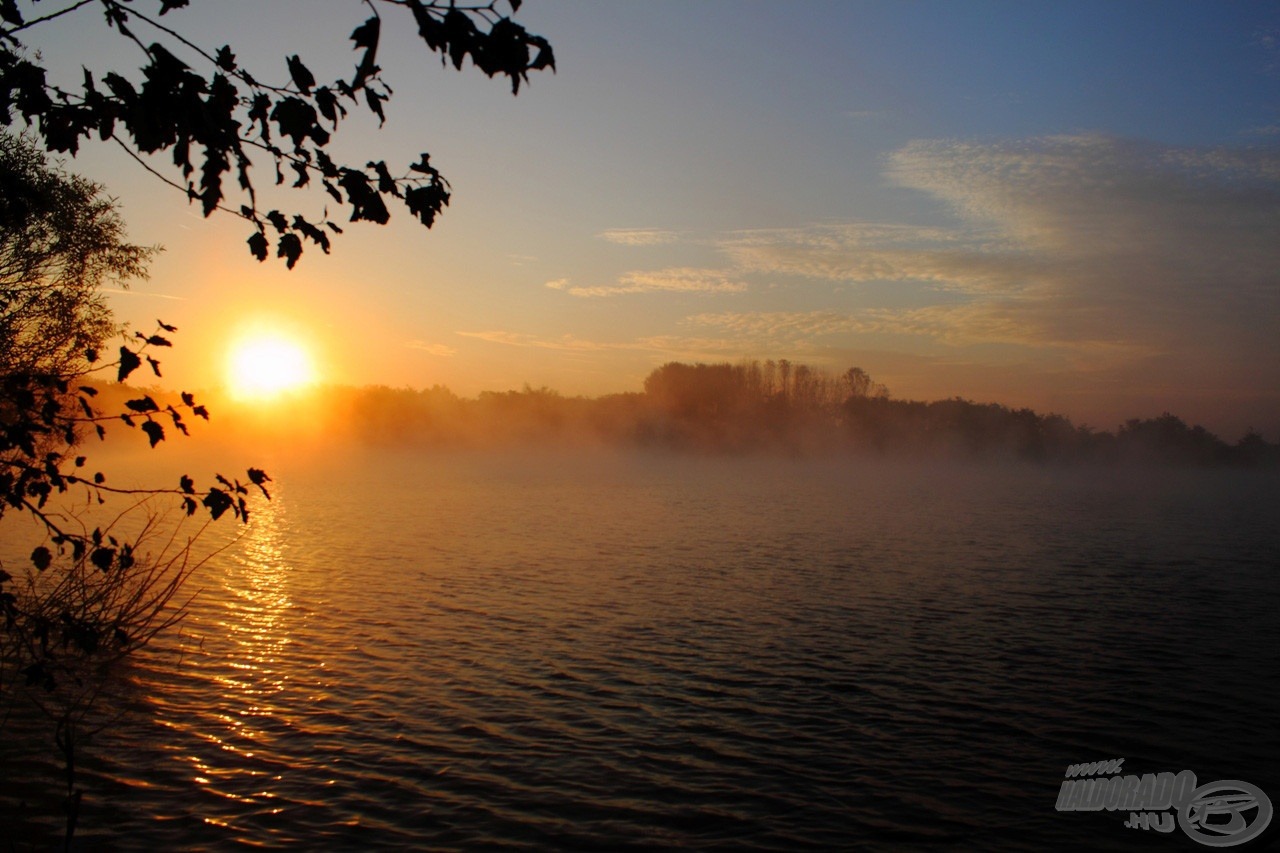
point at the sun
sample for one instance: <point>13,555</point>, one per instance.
<point>267,365</point>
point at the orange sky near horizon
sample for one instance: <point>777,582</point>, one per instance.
<point>1007,204</point>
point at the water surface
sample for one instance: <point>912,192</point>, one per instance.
<point>594,651</point>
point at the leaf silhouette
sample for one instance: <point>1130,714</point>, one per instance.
<point>290,246</point>
<point>426,202</point>
<point>225,59</point>
<point>259,478</point>
<point>9,11</point>
<point>129,362</point>
<point>102,558</point>
<point>218,502</point>
<point>366,36</point>
<point>296,119</point>
<point>155,432</point>
<point>302,77</point>
<point>143,405</point>
<point>258,245</point>
<point>42,557</point>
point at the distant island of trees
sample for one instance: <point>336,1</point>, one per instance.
<point>770,406</point>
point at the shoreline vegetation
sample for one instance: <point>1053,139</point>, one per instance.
<point>743,408</point>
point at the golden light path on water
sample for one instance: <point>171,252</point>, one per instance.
<point>259,581</point>
<point>257,623</point>
<point>245,625</point>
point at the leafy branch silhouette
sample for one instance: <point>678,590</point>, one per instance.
<point>40,452</point>
<point>213,122</point>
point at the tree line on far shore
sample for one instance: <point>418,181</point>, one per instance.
<point>770,406</point>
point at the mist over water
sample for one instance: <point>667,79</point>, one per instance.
<point>600,650</point>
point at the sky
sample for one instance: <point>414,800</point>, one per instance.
<point>1071,206</point>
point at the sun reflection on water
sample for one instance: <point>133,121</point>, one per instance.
<point>245,657</point>
<point>259,579</point>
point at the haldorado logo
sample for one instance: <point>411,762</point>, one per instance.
<point>1219,814</point>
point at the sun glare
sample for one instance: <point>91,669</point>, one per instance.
<point>263,367</point>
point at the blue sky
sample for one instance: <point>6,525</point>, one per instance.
<point>1071,206</point>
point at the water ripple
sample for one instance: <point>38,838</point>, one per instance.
<point>661,654</point>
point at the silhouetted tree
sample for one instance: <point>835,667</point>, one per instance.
<point>88,593</point>
<point>784,379</point>
<point>1169,439</point>
<point>1254,451</point>
<point>769,378</point>
<point>858,383</point>
<point>197,103</point>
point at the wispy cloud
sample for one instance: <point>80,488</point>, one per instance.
<point>766,329</point>
<point>959,259</point>
<point>1114,239</point>
<point>954,324</point>
<point>130,292</point>
<point>673,280</point>
<point>1064,241</point>
<point>639,236</point>
<point>695,347</point>
<point>518,339</point>
<point>439,350</point>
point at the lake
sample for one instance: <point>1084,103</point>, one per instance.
<point>594,651</point>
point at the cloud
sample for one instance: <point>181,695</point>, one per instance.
<point>960,259</point>
<point>132,292</point>
<point>1065,241</point>
<point>673,280</point>
<point>782,328</point>
<point>439,350</point>
<point>564,343</point>
<point>958,325</point>
<point>639,236</point>
<point>1115,239</point>
<point>666,346</point>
